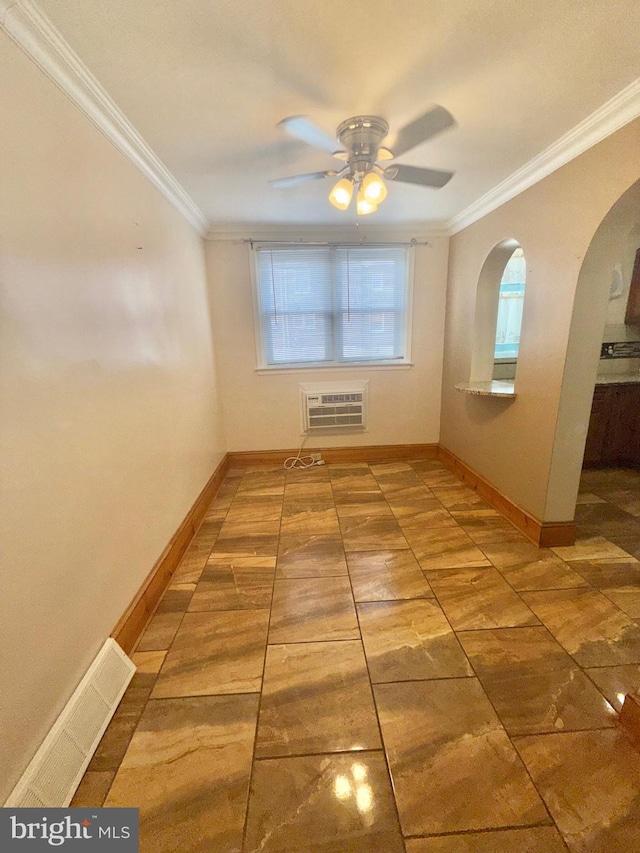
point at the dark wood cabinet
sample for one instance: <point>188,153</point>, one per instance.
<point>613,438</point>
<point>594,452</point>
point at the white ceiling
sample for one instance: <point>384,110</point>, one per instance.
<point>206,81</point>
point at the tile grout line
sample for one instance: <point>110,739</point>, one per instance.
<point>264,666</point>
<point>486,830</point>
<point>523,735</point>
<point>489,831</point>
<point>375,711</point>
<point>327,752</point>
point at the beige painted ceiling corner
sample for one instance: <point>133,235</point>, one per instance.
<point>620,110</point>
<point>192,95</point>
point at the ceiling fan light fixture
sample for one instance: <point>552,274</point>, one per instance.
<point>373,188</point>
<point>340,195</point>
<point>363,206</point>
<point>360,139</point>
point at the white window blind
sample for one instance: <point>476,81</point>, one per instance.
<point>331,304</point>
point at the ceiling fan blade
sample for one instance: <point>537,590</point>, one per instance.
<point>303,128</point>
<point>294,180</point>
<point>417,175</point>
<point>424,127</point>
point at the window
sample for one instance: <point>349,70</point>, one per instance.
<point>332,305</point>
<point>510,303</point>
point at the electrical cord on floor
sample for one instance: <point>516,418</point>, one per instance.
<point>299,461</point>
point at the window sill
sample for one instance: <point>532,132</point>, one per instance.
<point>361,365</point>
<point>493,388</point>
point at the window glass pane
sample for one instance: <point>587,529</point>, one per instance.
<point>296,304</point>
<point>327,304</point>
<point>371,336</point>
<point>371,285</point>
<point>371,279</point>
<point>298,337</point>
<point>295,280</point>
<point>510,305</point>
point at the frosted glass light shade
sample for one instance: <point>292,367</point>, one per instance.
<point>374,189</point>
<point>340,195</point>
<point>363,206</point>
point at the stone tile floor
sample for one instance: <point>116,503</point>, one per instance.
<point>367,658</point>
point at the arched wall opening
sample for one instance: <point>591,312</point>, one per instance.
<point>609,249</point>
<point>488,298</point>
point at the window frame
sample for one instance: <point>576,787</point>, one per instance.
<point>397,363</point>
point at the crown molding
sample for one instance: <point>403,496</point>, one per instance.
<point>334,233</point>
<point>611,116</point>
<point>32,31</point>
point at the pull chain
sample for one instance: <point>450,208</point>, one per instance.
<point>273,289</point>
<point>348,285</point>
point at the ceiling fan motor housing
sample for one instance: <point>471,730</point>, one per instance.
<point>361,136</point>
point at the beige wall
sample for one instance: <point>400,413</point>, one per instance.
<point>110,422</point>
<point>262,409</point>
<point>512,443</point>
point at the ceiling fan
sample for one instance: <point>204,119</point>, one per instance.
<point>361,138</point>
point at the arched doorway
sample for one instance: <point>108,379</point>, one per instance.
<point>609,251</point>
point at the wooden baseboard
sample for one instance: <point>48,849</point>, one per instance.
<point>545,534</point>
<point>372,453</point>
<point>555,534</point>
<point>135,618</point>
<point>629,718</point>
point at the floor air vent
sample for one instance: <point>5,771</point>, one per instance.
<point>53,775</point>
<point>334,410</point>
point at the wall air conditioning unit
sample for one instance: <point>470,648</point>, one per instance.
<point>335,409</point>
